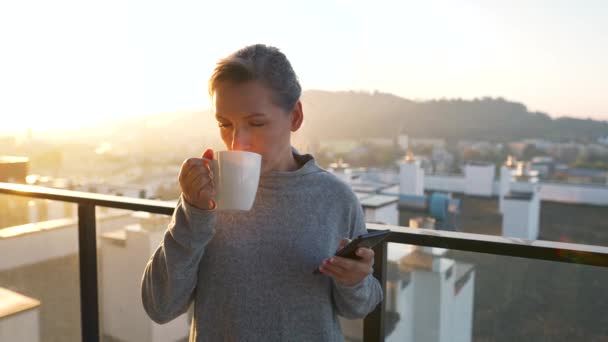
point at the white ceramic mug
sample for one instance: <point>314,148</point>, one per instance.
<point>236,175</point>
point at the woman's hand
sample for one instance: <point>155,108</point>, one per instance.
<point>349,272</point>
<point>196,181</point>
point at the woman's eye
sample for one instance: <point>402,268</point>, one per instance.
<point>223,125</point>
<point>257,124</point>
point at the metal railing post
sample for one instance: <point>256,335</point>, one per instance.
<point>87,253</point>
<point>373,325</point>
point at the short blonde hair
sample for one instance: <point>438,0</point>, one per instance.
<point>263,63</point>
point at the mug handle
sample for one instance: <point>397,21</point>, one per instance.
<point>215,169</point>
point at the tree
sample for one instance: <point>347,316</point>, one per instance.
<point>530,151</point>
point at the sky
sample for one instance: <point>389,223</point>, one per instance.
<point>71,63</point>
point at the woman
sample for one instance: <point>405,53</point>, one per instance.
<point>250,273</point>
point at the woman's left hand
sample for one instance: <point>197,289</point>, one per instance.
<point>349,272</point>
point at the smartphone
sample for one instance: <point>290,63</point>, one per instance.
<point>368,240</point>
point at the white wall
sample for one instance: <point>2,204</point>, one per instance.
<point>21,327</point>
<point>403,141</point>
<point>411,179</point>
<point>429,307</point>
<point>432,303</point>
<point>123,316</point>
<point>521,186</point>
<point>504,185</point>
<point>19,317</point>
<point>454,183</point>
<point>57,209</point>
<point>39,242</point>
<point>534,219</point>
<point>586,194</point>
<point>515,218</point>
<point>521,217</point>
<point>462,312</point>
<point>567,193</point>
<point>555,192</point>
<point>445,183</point>
<point>38,246</point>
<point>404,329</point>
<point>398,299</point>
<point>42,210</point>
<point>388,214</point>
<point>479,180</point>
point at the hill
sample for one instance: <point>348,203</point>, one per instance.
<point>350,114</point>
<point>362,115</point>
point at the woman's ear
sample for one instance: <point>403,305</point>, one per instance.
<point>297,116</point>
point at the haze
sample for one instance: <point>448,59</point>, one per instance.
<point>71,63</point>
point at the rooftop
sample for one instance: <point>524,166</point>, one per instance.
<point>377,201</point>
<point>13,159</point>
<point>12,303</point>
<point>565,222</point>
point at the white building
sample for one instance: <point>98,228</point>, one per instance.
<point>380,208</point>
<point>403,141</point>
<point>521,212</point>
<point>41,241</point>
<point>479,179</point>
<point>411,178</point>
<point>19,317</point>
<point>506,178</point>
<point>122,311</point>
<point>386,142</point>
<point>426,142</point>
<point>432,296</point>
<point>44,210</point>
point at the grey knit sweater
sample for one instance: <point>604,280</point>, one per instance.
<point>250,274</point>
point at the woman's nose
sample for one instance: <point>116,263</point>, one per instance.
<point>241,140</point>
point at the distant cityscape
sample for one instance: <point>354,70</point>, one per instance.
<point>527,189</point>
<point>575,163</point>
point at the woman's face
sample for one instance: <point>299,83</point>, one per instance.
<point>250,121</point>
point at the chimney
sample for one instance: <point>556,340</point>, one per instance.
<point>411,177</point>
<point>431,294</point>
<point>403,141</point>
<point>520,215</point>
<point>506,176</point>
<point>479,179</point>
<point>422,222</point>
<point>120,299</point>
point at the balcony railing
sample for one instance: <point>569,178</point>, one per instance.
<point>373,326</point>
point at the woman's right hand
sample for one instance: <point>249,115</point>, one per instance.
<point>196,181</point>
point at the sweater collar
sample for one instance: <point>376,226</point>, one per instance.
<point>307,165</point>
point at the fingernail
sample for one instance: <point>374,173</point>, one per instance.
<point>208,154</point>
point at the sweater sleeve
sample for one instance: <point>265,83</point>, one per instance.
<point>170,276</point>
<point>358,300</point>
